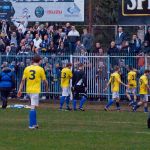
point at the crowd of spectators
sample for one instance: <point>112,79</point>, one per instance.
<point>54,39</point>
<point>43,39</point>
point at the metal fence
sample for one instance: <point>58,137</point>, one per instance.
<point>97,68</point>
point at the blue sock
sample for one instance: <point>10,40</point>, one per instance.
<point>34,118</point>
<point>74,104</point>
<point>131,102</point>
<point>31,117</point>
<point>62,100</point>
<point>111,101</point>
<point>83,100</point>
<point>145,109</point>
<point>67,101</point>
<point>136,107</point>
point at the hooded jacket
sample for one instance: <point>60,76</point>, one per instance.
<point>7,80</point>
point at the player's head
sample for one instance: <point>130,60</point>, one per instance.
<point>81,66</point>
<point>146,72</point>
<point>36,59</point>
<point>117,68</point>
<point>69,65</point>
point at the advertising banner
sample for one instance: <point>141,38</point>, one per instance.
<point>134,12</point>
<point>43,10</point>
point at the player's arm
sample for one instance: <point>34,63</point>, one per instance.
<point>146,83</point>
<point>108,84</point>
<point>21,87</point>
<point>122,82</point>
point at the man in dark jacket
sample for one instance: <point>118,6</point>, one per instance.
<point>79,84</point>
<point>7,83</point>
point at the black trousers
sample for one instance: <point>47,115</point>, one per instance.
<point>79,91</point>
<point>4,96</point>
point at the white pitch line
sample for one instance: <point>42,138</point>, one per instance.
<point>148,133</point>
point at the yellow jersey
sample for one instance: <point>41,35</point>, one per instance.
<point>143,82</point>
<point>115,82</point>
<point>33,75</point>
<point>66,75</point>
<point>132,79</point>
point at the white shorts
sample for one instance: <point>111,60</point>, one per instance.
<point>66,91</point>
<point>115,95</point>
<point>34,99</point>
<point>144,97</point>
<point>131,90</point>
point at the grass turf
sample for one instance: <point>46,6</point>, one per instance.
<point>90,130</point>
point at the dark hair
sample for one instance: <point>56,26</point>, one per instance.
<point>147,71</point>
<point>36,59</point>
<point>80,65</point>
<point>116,68</point>
<point>68,65</point>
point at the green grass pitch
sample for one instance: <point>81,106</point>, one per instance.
<point>90,130</point>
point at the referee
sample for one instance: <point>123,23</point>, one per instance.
<point>79,86</point>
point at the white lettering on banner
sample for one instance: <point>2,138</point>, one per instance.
<point>137,4</point>
<point>133,5</point>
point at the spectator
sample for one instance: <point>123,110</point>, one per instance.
<point>36,26</point>
<point>97,47</point>
<point>45,44</point>
<point>7,51</point>
<point>141,63</point>
<point>67,28</point>
<point>141,33</point>
<point>42,31</point>
<point>4,27</point>
<point>146,47</point>
<point>19,35</point>
<point>21,24</point>
<point>135,44</point>
<point>125,48</point>
<point>87,40</point>
<point>79,47</point>
<point>2,46</point>
<point>13,48</point>
<point>61,49</point>
<point>120,37</point>
<point>28,38</point>
<point>13,39</point>
<point>52,48</point>
<point>73,36</point>
<point>37,41</point>
<point>6,39</point>
<point>147,36</point>
<point>112,49</point>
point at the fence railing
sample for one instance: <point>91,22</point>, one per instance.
<point>97,68</point>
